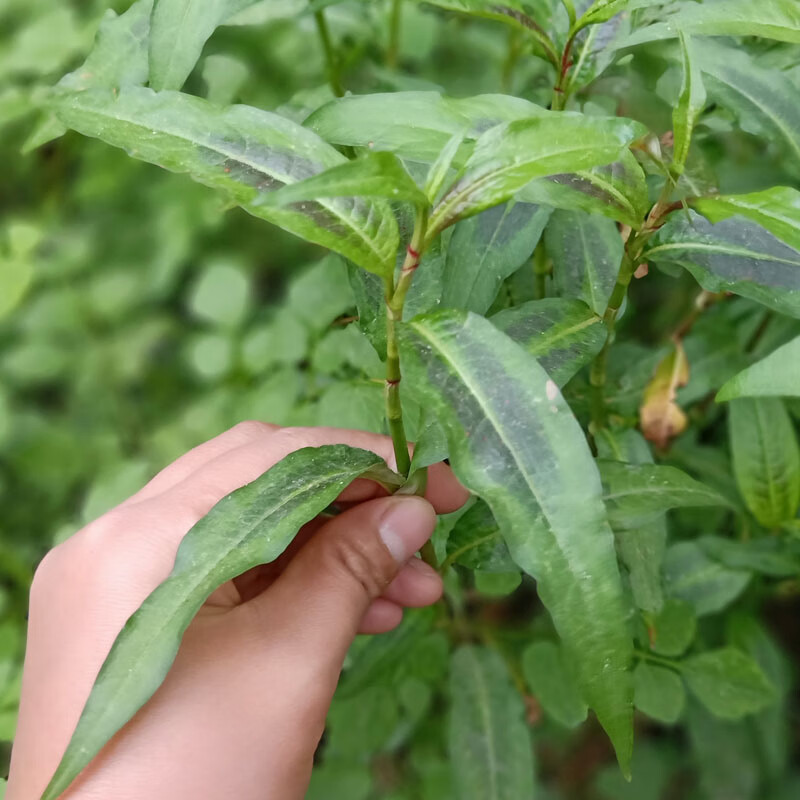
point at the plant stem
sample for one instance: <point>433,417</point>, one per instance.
<point>541,269</point>
<point>395,301</point>
<point>331,61</point>
<point>512,57</point>
<point>643,655</point>
<point>560,89</point>
<point>395,26</point>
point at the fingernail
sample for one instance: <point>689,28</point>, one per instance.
<point>406,525</point>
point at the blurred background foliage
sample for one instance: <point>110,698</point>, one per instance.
<point>139,317</point>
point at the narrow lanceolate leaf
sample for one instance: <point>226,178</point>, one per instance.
<point>691,102</point>
<point>586,252</point>
<point>728,682</point>
<point>374,175</point>
<point>251,526</point>
<point>634,492</point>
<point>490,745</point>
<point>766,458</point>
<point>603,10</point>
<point>766,101</point>
<point>617,191</point>
<point>477,542</point>
<point>564,335</point>
<point>514,442</point>
<point>658,692</point>
<point>661,417</point>
<point>243,152</point>
<point>178,31</point>
<point>776,209</point>
<point>509,156</point>
<point>771,19</point>
<point>548,674</point>
<point>119,55</point>
<point>777,375</point>
<point>736,255</point>
<point>415,125</point>
<point>484,250</point>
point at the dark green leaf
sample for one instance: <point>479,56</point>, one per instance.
<point>514,442</point>
<point>374,175</point>
<point>509,156</point>
<point>658,692</point>
<point>634,492</point>
<point>563,335</point>
<point>490,747</point>
<point>729,683</point>
<point>586,251</point>
<point>691,102</point>
<point>735,255</point>
<point>264,516</point>
<point>245,153</point>
<point>476,542</point>
<point>769,556</point>
<point>178,31</point>
<point>415,125</point>
<point>777,375</point>
<point>672,630</point>
<point>766,458</point>
<point>486,249</point>
<point>701,581</point>
<point>548,673</point>
<point>616,190</point>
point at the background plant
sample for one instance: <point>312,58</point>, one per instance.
<point>504,239</point>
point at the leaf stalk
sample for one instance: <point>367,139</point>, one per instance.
<point>331,59</point>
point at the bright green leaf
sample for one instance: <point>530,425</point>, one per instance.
<point>777,375</point>
<point>658,692</point>
<point>691,102</point>
<point>509,156</point>
<point>490,747</point>
<point>586,252</point>
<point>243,152</point>
<point>734,255</point>
<point>221,295</point>
<point>484,250</point>
<point>603,10</point>
<point>547,671</point>
<point>766,458</point>
<point>672,630</point>
<point>497,584</point>
<point>514,442</point>
<point>264,516</point>
<point>771,556</point>
<point>729,683</point>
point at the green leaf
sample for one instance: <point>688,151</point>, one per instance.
<point>563,335</point>
<point>243,152</point>
<point>490,746</point>
<point>251,526</point>
<point>497,584</point>
<point>603,10</point>
<point>16,276</point>
<point>509,156</point>
<point>415,125</point>
<point>769,556</point>
<point>586,251</point>
<point>777,375</point>
<point>514,442</point>
<point>729,683</point>
<point>704,583</point>
<point>484,250</point>
<point>776,209</point>
<point>766,458</point>
<point>691,102</point>
<point>672,630</point>
<point>634,492</point>
<point>766,101</point>
<point>548,673</point>
<point>735,255</point>
<point>119,55</point>
<point>178,31</point>
<point>771,19</point>
<point>221,295</point>
<point>373,175</point>
<point>476,542</point>
<point>616,190</point>
<point>440,169</point>
<point>658,692</point>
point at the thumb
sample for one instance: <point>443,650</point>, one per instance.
<point>316,606</point>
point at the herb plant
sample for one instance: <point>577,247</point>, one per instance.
<point>582,287</point>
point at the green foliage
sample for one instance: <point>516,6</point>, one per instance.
<point>562,223</point>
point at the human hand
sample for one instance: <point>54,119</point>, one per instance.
<point>243,707</point>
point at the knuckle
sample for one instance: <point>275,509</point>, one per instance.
<point>253,429</point>
<point>364,562</point>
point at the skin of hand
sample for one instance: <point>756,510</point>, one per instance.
<point>243,707</point>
